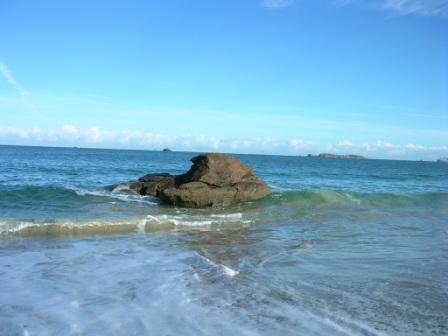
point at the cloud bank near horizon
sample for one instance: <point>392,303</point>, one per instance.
<point>94,137</point>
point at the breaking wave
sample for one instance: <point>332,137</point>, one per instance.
<point>335,198</point>
<point>112,226</point>
<point>52,217</point>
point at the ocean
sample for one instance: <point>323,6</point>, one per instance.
<point>341,247</point>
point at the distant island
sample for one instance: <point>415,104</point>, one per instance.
<point>166,150</point>
<point>339,156</point>
<point>443,160</point>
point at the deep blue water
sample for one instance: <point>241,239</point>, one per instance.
<point>342,247</point>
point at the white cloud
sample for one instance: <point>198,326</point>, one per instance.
<point>94,135</point>
<point>276,4</point>
<point>299,144</point>
<point>382,146</point>
<point>420,7</point>
<point>14,132</point>
<point>9,77</point>
<point>405,7</point>
<point>398,7</point>
<point>70,131</point>
<point>345,143</point>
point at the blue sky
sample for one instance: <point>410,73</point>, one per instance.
<point>248,76</point>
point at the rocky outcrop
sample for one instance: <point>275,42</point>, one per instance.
<point>341,156</point>
<point>214,180</point>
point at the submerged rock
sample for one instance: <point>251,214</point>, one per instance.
<point>214,180</point>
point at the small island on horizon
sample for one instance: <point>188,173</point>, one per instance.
<point>339,156</point>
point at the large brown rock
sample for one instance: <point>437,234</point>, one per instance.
<point>199,195</point>
<point>214,180</point>
<point>217,170</point>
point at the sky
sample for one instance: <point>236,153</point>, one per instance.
<point>287,77</point>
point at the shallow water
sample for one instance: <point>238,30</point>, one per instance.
<point>342,247</point>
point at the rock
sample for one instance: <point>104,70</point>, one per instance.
<point>154,187</point>
<point>214,180</point>
<point>251,190</point>
<point>154,177</point>
<point>217,170</point>
<point>199,195</point>
<point>150,184</point>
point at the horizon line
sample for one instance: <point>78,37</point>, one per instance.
<point>315,156</point>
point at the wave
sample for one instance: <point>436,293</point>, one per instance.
<point>112,226</point>
<point>271,208</point>
<point>66,193</point>
<point>324,198</point>
<point>119,194</point>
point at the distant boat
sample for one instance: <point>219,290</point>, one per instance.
<point>166,150</point>
<point>443,160</point>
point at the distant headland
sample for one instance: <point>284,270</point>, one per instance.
<point>443,160</point>
<point>339,156</point>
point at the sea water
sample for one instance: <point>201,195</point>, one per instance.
<point>341,247</point>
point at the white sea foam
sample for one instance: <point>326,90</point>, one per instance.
<point>352,198</point>
<point>198,220</point>
<point>113,194</point>
<point>222,268</point>
<point>237,215</point>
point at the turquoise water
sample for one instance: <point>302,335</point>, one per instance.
<point>342,247</point>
